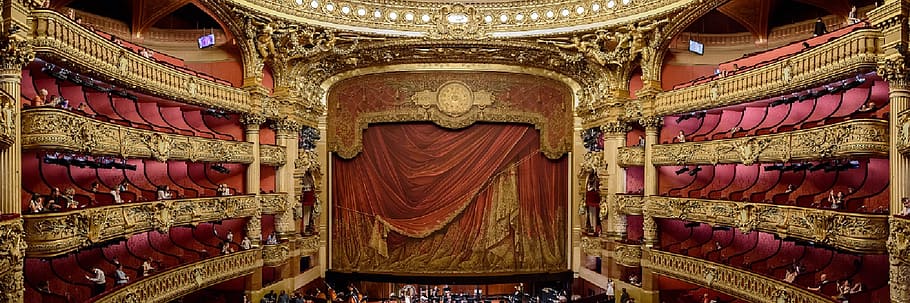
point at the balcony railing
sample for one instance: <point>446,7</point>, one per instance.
<point>841,58</point>
<point>631,156</point>
<point>56,36</point>
<point>862,233</point>
<point>630,204</point>
<point>859,137</point>
<point>736,282</point>
<point>627,254</point>
<point>52,234</point>
<point>272,155</point>
<point>273,203</point>
<point>274,255</point>
<point>52,128</point>
<point>186,279</point>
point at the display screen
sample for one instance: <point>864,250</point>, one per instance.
<point>207,40</point>
<point>696,47</point>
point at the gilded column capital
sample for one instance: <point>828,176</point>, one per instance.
<point>895,69</point>
<point>252,121</point>
<point>651,122</point>
<point>616,128</point>
<point>286,127</point>
<point>15,54</point>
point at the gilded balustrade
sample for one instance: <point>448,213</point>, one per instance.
<point>53,234</point>
<point>180,281</point>
<point>52,128</point>
<point>631,156</point>
<point>272,155</point>
<point>844,57</point>
<point>862,233</point>
<point>276,254</point>
<point>733,281</point>
<point>273,203</point>
<point>903,122</point>
<point>627,254</point>
<point>853,138</point>
<point>56,36</point>
<point>630,204</point>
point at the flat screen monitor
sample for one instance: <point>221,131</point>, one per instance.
<point>207,41</point>
<point>696,47</point>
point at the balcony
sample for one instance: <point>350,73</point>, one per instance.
<point>273,203</point>
<point>630,204</point>
<point>841,58</point>
<point>741,284</point>
<point>631,156</point>
<point>274,255</point>
<point>861,233</point>
<point>627,254</point>
<point>53,234</point>
<point>56,36</point>
<point>853,138</point>
<point>272,155</point>
<point>183,280</point>
<point>51,128</point>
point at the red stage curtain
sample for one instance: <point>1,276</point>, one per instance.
<point>448,199</point>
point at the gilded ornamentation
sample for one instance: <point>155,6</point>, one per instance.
<point>651,122</point>
<point>180,281</point>
<point>734,281</point>
<point>309,245</point>
<point>853,52</point>
<point>863,233</point>
<point>454,98</point>
<point>616,128</point>
<point>53,234</point>
<point>273,203</point>
<point>12,256</point>
<point>16,53</point>
<point>629,204</point>
<point>273,155</point>
<point>631,156</point>
<point>44,128</point>
<point>308,161</point>
<point>627,254</point>
<point>253,228</point>
<point>252,120</point>
<point>274,255</point>
<point>457,21</point>
<point>857,137</point>
<point>593,162</point>
<point>903,135</point>
<point>286,127</point>
<point>57,37</point>
<point>9,118</point>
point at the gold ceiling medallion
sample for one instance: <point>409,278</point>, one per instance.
<point>457,22</point>
<point>453,98</point>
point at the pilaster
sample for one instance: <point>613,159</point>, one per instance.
<point>286,132</point>
<point>252,123</point>
<point>614,138</point>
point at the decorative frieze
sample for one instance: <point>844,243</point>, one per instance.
<point>272,155</point>
<point>899,251</point>
<point>56,36</point>
<point>12,255</point>
<point>844,57</point>
<point>734,281</point>
<point>53,234</point>
<point>853,138</point>
<point>630,204</point>
<point>52,128</point>
<point>631,156</point>
<point>180,281</point>
<point>903,135</point>
<point>273,203</point>
<point>277,254</point>
<point>862,233</point>
<point>627,254</point>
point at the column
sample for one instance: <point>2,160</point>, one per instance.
<point>286,134</point>
<point>652,127</point>
<point>16,53</point>
<point>614,138</point>
<point>252,123</point>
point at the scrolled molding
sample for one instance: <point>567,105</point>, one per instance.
<point>627,254</point>
<point>273,203</point>
<point>52,128</point>
<point>12,256</point>
<point>630,156</point>
<point>853,138</point>
<point>180,281</point>
<point>53,234</point>
<point>58,37</point>
<point>277,254</point>
<point>844,57</point>
<point>629,204</point>
<point>861,233</point>
<point>733,281</point>
<point>272,155</point>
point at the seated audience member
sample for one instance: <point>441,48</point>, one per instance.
<point>224,190</point>
<point>822,281</point>
<point>272,239</point>
<point>906,209</point>
<point>226,248</point>
<point>837,201</point>
<point>99,284</point>
<point>164,192</point>
<point>120,277</point>
<point>36,204</point>
<point>851,17</point>
<point>40,98</point>
<point>94,187</point>
<point>681,137</point>
<point>790,189</point>
<point>820,28</point>
<point>641,141</point>
<point>70,197</point>
<point>846,289</point>
<point>246,243</point>
<point>791,276</point>
<point>867,107</point>
<point>45,287</point>
<point>146,269</point>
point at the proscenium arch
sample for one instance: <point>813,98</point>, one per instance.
<point>573,85</point>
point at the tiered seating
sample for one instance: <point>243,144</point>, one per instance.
<point>66,275</point>
<point>766,254</point>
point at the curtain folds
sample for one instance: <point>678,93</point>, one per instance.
<point>425,199</point>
